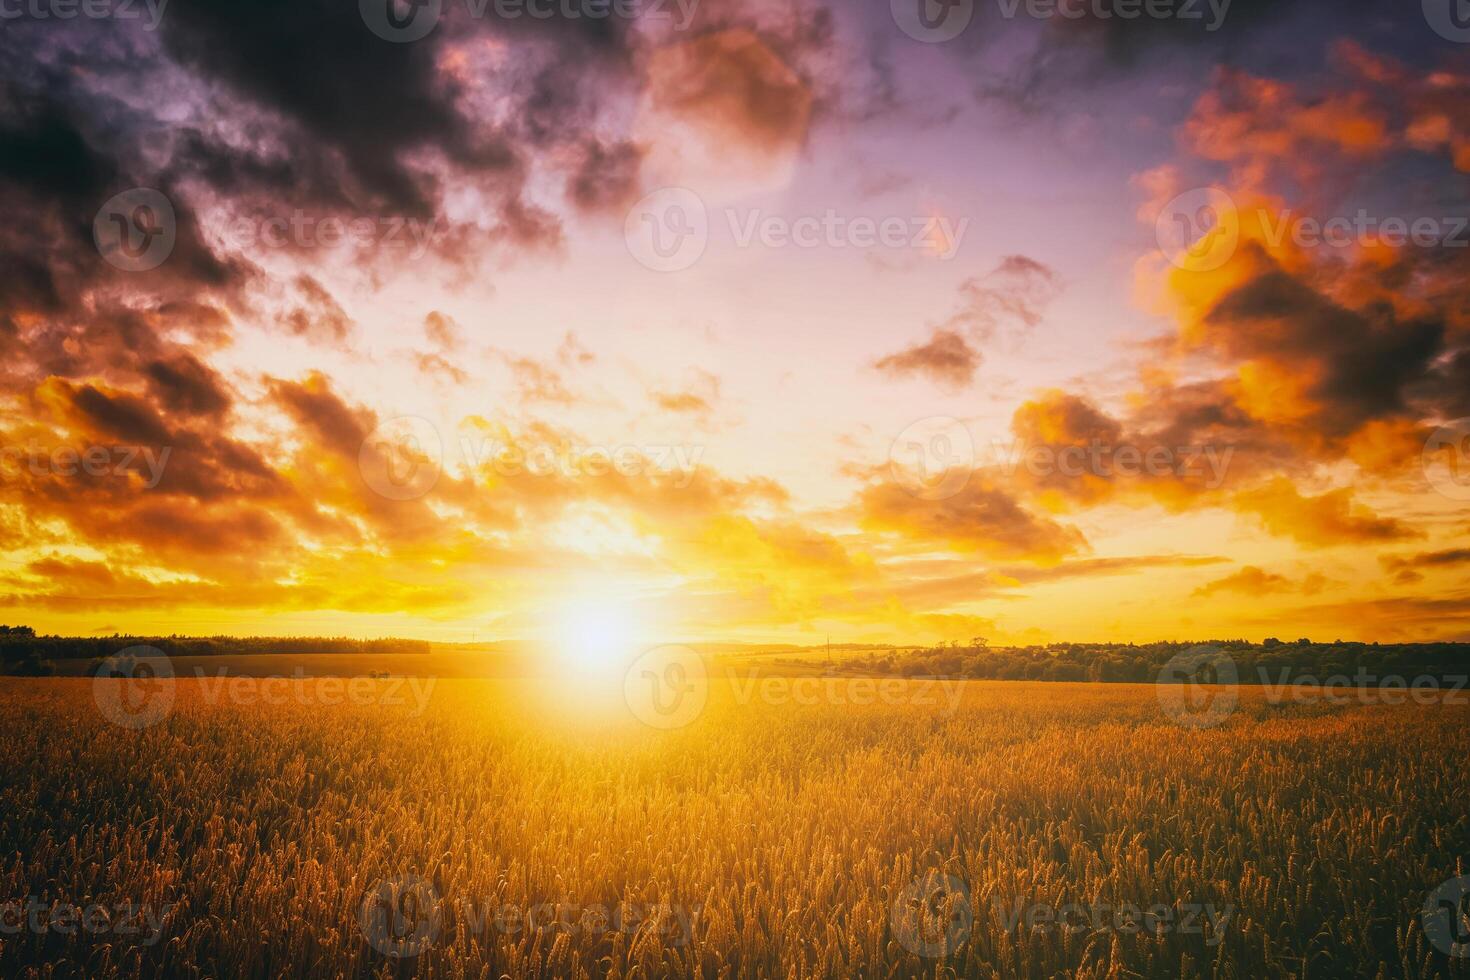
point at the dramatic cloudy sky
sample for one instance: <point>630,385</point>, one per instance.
<point>765,319</point>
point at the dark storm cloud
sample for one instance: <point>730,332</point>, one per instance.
<point>606,177</point>
<point>333,424</point>
<point>120,416</point>
<point>1038,64</point>
<point>1446,387</point>
<point>184,384</point>
<point>42,151</point>
<point>269,105</point>
<point>1368,356</point>
<point>349,91</point>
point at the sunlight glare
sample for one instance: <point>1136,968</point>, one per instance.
<point>594,638</point>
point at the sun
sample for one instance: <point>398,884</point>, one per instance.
<point>593,637</point>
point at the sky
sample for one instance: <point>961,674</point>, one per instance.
<point>731,321</point>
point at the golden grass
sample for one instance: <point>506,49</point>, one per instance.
<point>786,839</point>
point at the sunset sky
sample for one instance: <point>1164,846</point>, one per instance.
<point>783,407</point>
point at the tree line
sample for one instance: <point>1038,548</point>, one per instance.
<point>22,651</point>
<point>1271,661</point>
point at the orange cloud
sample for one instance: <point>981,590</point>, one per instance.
<point>1254,123</point>
<point>733,90</point>
<point>1255,582</point>
<point>699,397</point>
<point>1410,569</point>
<point>981,518</point>
<point>1324,521</point>
<point>946,358</point>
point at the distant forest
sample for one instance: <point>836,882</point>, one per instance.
<point>24,652</point>
<point>1268,662</point>
<point>1272,661</point>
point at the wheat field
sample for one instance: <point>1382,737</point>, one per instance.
<point>1018,830</point>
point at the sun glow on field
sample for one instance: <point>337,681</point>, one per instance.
<point>594,638</point>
